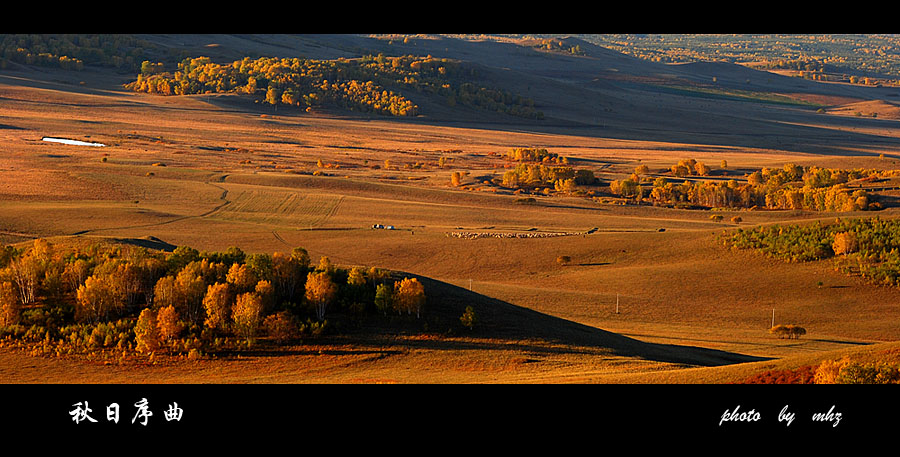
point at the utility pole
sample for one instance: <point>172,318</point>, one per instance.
<point>617,303</point>
<point>773,317</point>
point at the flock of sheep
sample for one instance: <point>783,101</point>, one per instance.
<point>476,235</point>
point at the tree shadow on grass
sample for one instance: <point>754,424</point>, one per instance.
<point>299,350</point>
<point>149,242</point>
<point>502,320</point>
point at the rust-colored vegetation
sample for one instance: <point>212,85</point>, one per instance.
<point>123,301</point>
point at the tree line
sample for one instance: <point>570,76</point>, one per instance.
<point>356,84</point>
<point>805,64</point>
<point>790,187</point>
<point>77,299</point>
<point>74,51</point>
<point>866,247</point>
<point>535,155</point>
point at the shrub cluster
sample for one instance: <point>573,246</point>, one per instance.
<point>845,371</point>
<point>842,371</point>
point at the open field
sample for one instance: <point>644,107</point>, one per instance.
<point>215,171</point>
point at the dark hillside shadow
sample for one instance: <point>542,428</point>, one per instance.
<point>149,242</point>
<point>500,319</point>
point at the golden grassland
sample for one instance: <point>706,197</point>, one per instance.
<point>210,172</point>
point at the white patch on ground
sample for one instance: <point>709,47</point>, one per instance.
<point>72,142</point>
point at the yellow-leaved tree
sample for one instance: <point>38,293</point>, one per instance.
<point>164,292</point>
<point>409,296</point>
<point>191,289</point>
<point>455,179</point>
<point>146,333</point>
<point>247,314</point>
<point>287,273</point>
<point>356,276</point>
<point>217,303</point>
<point>168,323</point>
<point>95,300</point>
<point>241,277</point>
<point>9,304</point>
<point>829,370</point>
<point>320,291</point>
<point>845,243</point>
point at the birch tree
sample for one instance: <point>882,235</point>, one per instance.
<point>320,291</point>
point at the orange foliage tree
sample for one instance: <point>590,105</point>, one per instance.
<point>280,326</point>
<point>320,291</point>
<point>168,323</point>
<point>409,296</point>
<point>95,300</point>
<point>146,333</point>
<point>247,314</point>
<point>242,278</point>
<point>9,304</point>
<point>217,303</point>
<point>845,243</point>
<point>190,288</point>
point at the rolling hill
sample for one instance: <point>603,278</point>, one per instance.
<point>218,170</point>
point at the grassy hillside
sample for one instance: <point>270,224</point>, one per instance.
<point>215,170</point>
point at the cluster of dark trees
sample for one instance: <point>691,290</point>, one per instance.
<point>356,84</point>
<point>790,331</point>
<point>868,247</point>
<point>130,298</point>
<point>534,175</point>
<point>73,51</point>
<point>446,78</point>
<point>549,44</point>
<point>795,64</point>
